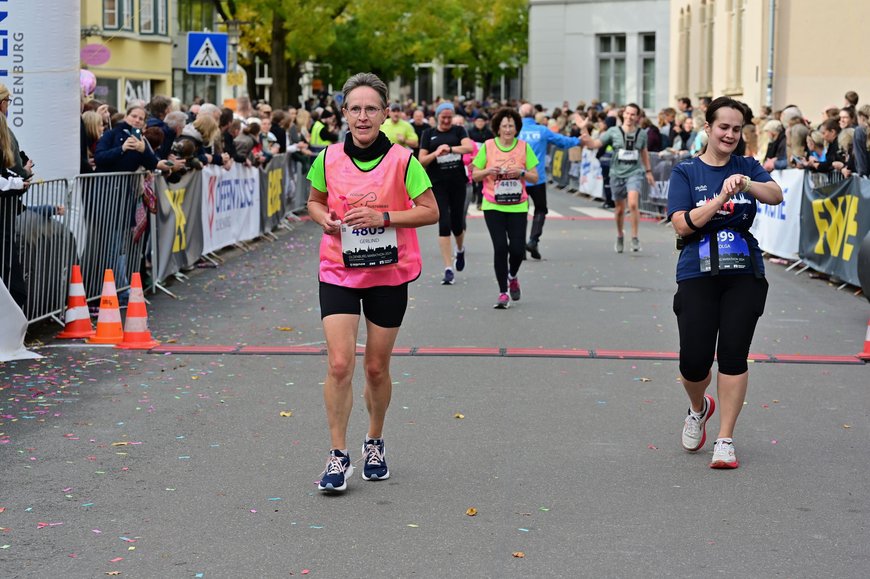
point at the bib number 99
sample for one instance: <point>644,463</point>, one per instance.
<point>725,236</point>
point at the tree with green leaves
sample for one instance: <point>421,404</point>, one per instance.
<point>387,38</point>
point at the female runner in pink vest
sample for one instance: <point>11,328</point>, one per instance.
<point>505,164</point>
<point>368,196</point>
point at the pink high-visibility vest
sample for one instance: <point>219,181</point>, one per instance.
<point>383,189</point>
<point>505,191</point>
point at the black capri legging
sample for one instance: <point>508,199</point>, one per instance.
<point>726,307</point>
<point>451,207</point>
<point>508,233</point>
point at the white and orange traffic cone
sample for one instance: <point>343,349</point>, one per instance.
<point>136,333</point>
<point>865,355</point>
<point>77,319</point>
<point>109,330</point>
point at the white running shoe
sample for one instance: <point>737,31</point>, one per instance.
<point>723,454</point>
<point>695,427</point>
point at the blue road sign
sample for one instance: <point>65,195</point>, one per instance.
<point>207,52</point>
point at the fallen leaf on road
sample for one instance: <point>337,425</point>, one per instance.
<point>518,554</point>
<point>652,447</point>
<point>284,329</point>
<point>471,511</point>
<point>844,426</point>
<point>286,414</point>
<point>458,415</point>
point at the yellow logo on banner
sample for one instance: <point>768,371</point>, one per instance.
<point>837,225</point>
<point>273,195</point>
<point>176,199</point>
<point>557,163</point>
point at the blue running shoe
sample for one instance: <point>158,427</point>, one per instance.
<point>448,277</point>
<point>338,470</point>
<point>459,260</point>
<point>375,467</point>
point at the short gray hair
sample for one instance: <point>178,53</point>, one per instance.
<point>368,79</point>
<point>209,109</point>
<point>175,119</point>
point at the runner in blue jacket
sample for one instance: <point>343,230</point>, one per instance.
<point>539,136</point>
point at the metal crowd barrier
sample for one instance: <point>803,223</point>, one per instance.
<point>105,227</point>
<point>36,242</point>
<point>91,222</point>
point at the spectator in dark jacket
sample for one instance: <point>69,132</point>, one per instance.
<point>860,149</point>
<point>776,156</point>
<point>158,108</point>
<point>834,160</point>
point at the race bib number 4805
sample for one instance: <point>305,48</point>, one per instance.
<point>369,246</point>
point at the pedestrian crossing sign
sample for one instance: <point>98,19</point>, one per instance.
<point>207,52</point>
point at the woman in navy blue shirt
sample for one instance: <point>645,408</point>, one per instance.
<point>721,286</point>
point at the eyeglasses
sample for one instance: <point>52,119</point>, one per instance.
<point>355,112</point>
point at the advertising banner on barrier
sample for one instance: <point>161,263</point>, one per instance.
<point>591,181</point>
<point>662,166</point>
<point>834,221</point>
<point>230,206</point>
<point>777,227</point>
<point>560,168</point>
<point>272,187</point>
<point>179,223</point>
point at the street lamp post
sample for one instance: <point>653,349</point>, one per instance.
<point>234,34</point>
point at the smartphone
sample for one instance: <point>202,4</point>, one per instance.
<point>168,163</point>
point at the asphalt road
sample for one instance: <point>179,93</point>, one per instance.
<point>558,420</point>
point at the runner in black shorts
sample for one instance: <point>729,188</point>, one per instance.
<point>441,151</point>
<point>382,305</point>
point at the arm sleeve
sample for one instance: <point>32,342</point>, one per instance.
<point>317,174</point>
<point>480,159</point>
<point>106,154</point>
<point>416,180</point>
<point>561,141</point>
<point>679,192</point>
<point>531,159</point>
<point>757,173</point>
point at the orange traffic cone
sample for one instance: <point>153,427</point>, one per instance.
<point>865,355</point>
<point>136,333</point>
<point>77,318</point>
<point>109,330</point>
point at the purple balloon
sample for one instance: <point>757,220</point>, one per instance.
<point>88,82</point>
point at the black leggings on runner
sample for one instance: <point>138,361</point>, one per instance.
<point>451,208</point>
<point>723,306</point>
<point>508,233</point>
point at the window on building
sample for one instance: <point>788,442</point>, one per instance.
<point>736,13</point>
<point>708,10</point>
<point>152,17</point>
<point>162,18</point>
<point>611,68</point>
<point>118,14</point>
<point>648,70</point>
<point>195,15</point>
<point>146,16</point>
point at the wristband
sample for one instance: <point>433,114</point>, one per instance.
<point>386,218</point>
<point>747,183</point>
<point>691,225</point>
<point>649,170</point>
<point>451,150</point>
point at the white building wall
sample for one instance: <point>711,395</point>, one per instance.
<point>563,51</point>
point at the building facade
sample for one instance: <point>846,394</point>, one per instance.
<point>128,47</point>
<point>616,51</point>
<point>770,52</point>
